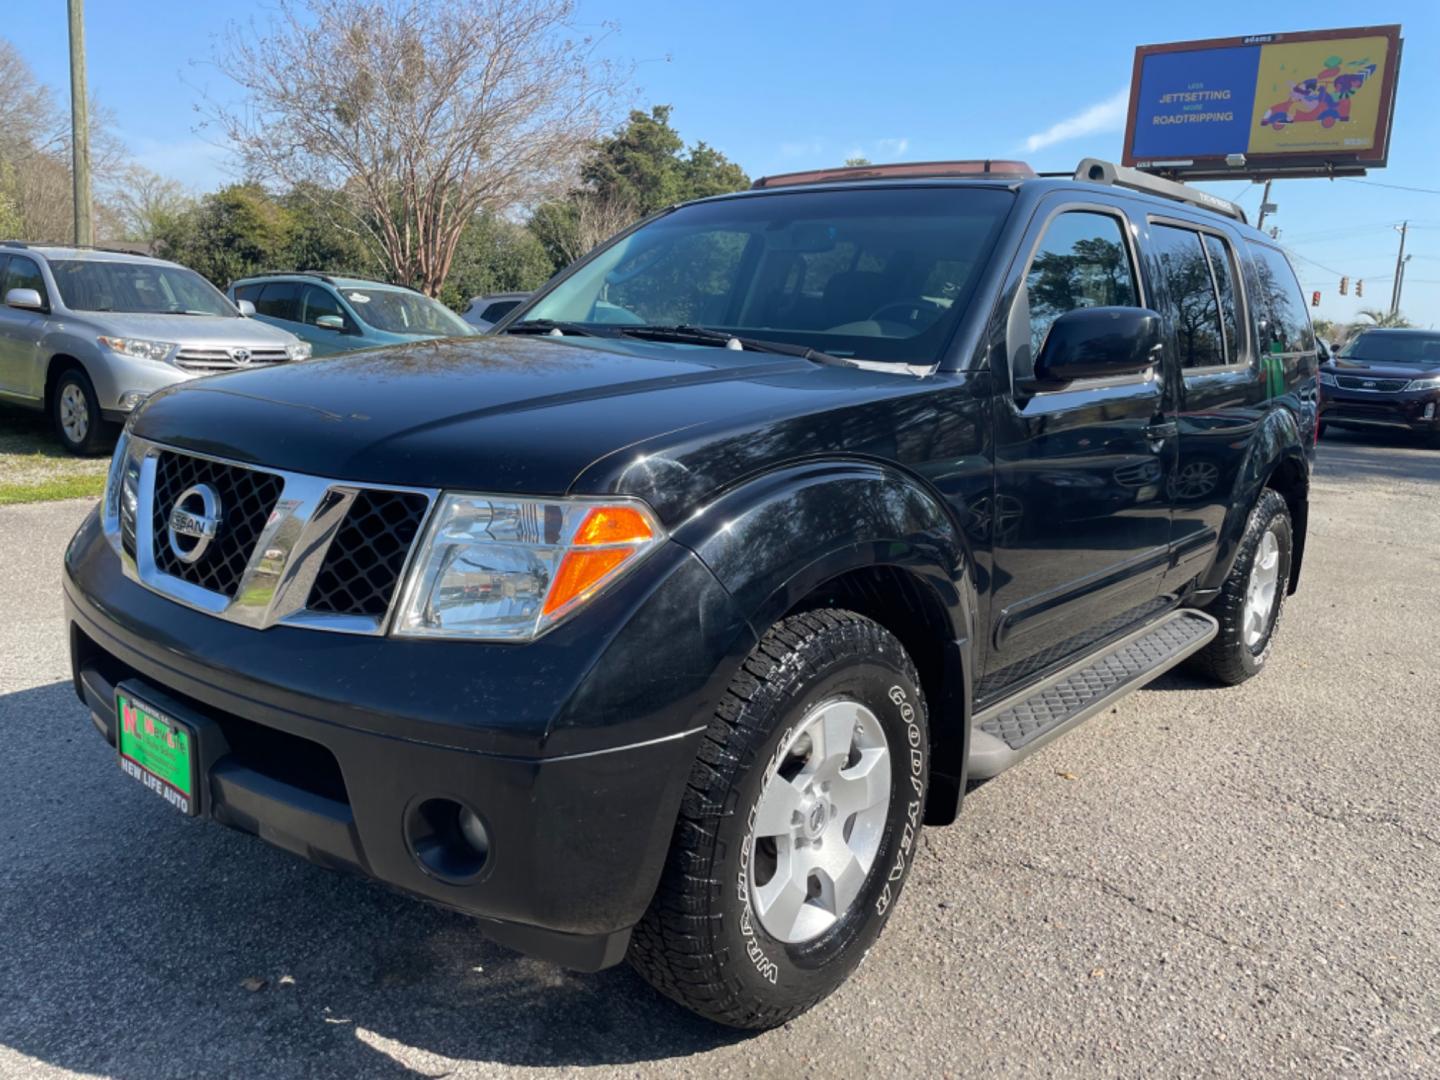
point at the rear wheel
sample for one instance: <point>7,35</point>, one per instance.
<point>797,828</point>
<point>1253,597</point>
<point>75,413</point>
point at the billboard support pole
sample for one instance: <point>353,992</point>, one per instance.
<point>1264,203</point>
<point>1399,269</point>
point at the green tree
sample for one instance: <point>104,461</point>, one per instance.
<point>318,240</point>
<point>495,255</point>
<point>230,233</point>
<point>644,164</point>
<point>1389,320</point>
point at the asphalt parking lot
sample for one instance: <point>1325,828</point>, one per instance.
<point>1201,882</point>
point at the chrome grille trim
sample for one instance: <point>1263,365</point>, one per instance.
<point>285,560</point>
<point>223,359</point>
<point>1380,385</point>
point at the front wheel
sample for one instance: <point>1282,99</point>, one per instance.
<point>798,826</point>
<point>75,412</point>
<point>1253,596</point>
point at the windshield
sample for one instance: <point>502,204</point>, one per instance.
<point>1409,347</point>
<point>397,312</point>
<point>875,274</point>
<point>93,285</point>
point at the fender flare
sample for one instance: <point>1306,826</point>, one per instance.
<point>775,539</point>
<point>1277,444</point>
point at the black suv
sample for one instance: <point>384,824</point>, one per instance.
<point>657,624</point>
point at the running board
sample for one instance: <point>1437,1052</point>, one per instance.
<point>1018,726</point>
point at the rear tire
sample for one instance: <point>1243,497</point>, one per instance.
<point>1253,597</point>
<point>75,415</point>
<point>793,842</point>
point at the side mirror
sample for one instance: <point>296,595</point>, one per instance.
<point>1092,343</point>
<point>246,307</point>
<point>25,299</point>
<point>330,322</point>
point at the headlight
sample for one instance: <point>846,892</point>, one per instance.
<point>111,500</point>
<point>1430,382</point>
<point>299,351</point>
<point>1327,379</point>
<point>505,569</point>
<point>143,350</point>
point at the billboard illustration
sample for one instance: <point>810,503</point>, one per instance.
<point>1312,103</point>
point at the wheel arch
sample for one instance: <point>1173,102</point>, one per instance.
<point>870,538</point>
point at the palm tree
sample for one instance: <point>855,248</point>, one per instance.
<point>1388,320</point>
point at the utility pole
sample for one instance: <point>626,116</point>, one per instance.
<point>1399,268</point>
<point>80,127</point>
<point>1400,282</point>
<point>1264,205</point>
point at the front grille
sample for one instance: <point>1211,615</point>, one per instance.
<point>1375,386</point>
<point>247,497</point>
<point>193,359</point>
<point>364,562</point>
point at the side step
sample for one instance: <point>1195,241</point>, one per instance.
<point>1010,730</point>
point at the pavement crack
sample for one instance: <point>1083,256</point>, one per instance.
<point>1347,818</point>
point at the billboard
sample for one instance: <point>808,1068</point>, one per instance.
<point>1316,103</point>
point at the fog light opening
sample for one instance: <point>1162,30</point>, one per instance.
<point>447,839</point>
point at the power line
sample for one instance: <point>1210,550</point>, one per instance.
<point>1393,187</point>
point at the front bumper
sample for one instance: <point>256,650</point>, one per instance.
<point>114,376</point>
<point>1417,410</point>
<point>324,743</point>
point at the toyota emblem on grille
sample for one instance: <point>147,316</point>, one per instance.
<point>240,356</point>
<point>195,516</point>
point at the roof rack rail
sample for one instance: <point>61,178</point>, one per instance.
<point>1096,171</point>
<point>69,245</point>
<point>15,244</point>
<point>979,168</point>
<point>326,276</point>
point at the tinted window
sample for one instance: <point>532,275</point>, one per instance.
<point>497,311</point>
<point>1191,303</point>
<point>280,300</point>
<point>320,302</point>
<point>1081,262</point>
<point>1281,303</point>
<point>1222,265</point>
<point>152,288</point>
<point>1394,347</point>
<point>880,274</point>
<point>23,273</point>
<point>247,292</point>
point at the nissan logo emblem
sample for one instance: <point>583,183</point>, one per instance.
<point>196,517</point>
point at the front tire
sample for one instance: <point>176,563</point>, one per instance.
<point>75,414</point>
<point>798,826</point>
<point>1253,598</point>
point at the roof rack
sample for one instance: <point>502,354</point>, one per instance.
<point>15,244</point>
<point>68,245</point>
<point>1095,171</point>
<point>981,167</point>
<point>323,275</point>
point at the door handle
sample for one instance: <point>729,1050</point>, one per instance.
<point>1162,429</point>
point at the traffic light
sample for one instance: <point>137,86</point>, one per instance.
<point>1315,298</point>
<point>1360,287</point>
<point>1344,285</point>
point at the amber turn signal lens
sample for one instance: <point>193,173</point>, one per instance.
<point>613,525</point>
<point>607,537</point>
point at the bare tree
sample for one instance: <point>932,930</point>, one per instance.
<point>145,202</point>
<point>422,113</point>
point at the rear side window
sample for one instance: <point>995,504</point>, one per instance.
<point>279,300</point>
<point>247,292</point>
<point>497,311</point>
<point>23,273</point>
<point>1081,262</point>
<point>1281,304</point>
<point>1222,266</point>
<point>1192,302</point>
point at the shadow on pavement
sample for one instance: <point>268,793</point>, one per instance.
<point>1377,455</point>
<point>128,931</point>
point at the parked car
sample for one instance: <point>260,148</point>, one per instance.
<point>86,334</point>
<point>658,623</point>
<point>337,314</point>
<point>483,312</point>
<point>1384,379</point>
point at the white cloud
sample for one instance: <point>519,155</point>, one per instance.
<point>892,148</point>
<point>1103,116</point>
<point>804,148</point>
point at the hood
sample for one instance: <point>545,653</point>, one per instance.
<point>1381,370</point>
<point>506,414</point>
<point>193,331</point>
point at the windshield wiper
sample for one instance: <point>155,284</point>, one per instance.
<point>550,326</point>
<point>702,335</point>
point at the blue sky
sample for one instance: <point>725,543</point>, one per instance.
<point>789,85</point>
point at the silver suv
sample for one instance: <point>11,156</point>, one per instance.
<point>88,334</point>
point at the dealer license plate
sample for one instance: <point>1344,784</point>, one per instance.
<point>157,750</point>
